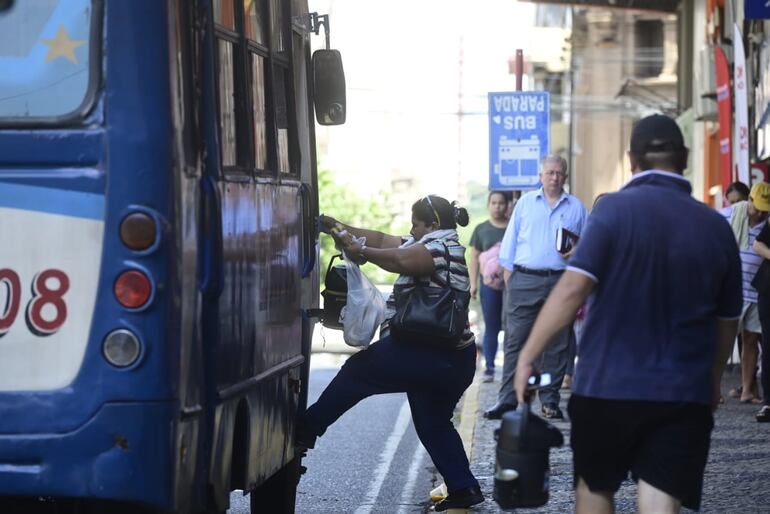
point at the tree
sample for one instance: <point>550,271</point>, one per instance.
<point>346,205</point>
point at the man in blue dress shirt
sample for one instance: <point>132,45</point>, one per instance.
<point>664,276</point>
<point>532,266</point>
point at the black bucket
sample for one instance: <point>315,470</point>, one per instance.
<point>335,294</point>
<point>523,471</point>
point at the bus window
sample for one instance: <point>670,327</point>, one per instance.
<point>224,13</point>
<point>279,36</point>
<point>280,83</point>
<point>227,102</point>
<point>254,21</point>
<point>260,110</point>
<point>45,61</point>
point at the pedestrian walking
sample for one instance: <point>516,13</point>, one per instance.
<point>747,218</point>
<point>433,374</point>
<point>533,265</point>
<point>665,274</point>
<point>486,275</point>
<point>736,192</point>
<point>762,283</point>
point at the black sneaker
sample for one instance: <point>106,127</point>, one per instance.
<point>551,411</point>
<point>460,499</point>
<point>498,410</point>
<point>763,416</point>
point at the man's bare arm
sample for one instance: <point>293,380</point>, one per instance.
<point>761,249</point>
<point>726,332</point>
<point>473,271</point>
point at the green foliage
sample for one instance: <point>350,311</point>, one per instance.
<point>346,205</point>
<point>477,211</point>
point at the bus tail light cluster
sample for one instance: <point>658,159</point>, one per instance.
<point>133,289</point>
<point>121,348</point>
<point>138,231</point>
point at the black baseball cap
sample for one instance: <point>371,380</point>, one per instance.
<point>656,133</point>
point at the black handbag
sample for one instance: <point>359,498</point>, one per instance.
<point>430,315</point>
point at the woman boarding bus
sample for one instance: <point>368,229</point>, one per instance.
<point>158,196</point>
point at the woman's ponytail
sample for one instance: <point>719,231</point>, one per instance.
<point>460,215</point>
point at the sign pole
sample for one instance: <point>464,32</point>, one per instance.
<point>519,68</point>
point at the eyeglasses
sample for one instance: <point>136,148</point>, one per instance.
<point>435,213</point>
<point>555,173</point>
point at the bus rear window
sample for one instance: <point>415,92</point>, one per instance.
<point>45,63</point>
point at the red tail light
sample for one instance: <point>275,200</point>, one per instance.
<point>133,289</point>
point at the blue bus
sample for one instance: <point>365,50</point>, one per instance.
<point>158,205</point>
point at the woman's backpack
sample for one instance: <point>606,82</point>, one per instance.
<point>491,270</point>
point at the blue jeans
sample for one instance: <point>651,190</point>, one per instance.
<point>433,380</point>
<point>492,309</point>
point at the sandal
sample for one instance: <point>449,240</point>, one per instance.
<point>763,416</point>
<point>753,400</point>
<point>736,393</point>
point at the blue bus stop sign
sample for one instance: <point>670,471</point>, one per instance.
<point>757,9</point>
<point>518,138</point>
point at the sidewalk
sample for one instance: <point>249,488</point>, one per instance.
<point>737,475</point>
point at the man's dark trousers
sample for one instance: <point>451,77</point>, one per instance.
<point>525,295</point>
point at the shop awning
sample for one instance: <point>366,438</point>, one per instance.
<point>647,5</point>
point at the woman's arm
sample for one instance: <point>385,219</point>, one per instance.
<point>473,271</point>
<point>415,260</point>
<point>374,238</point>
<point>761,249</point>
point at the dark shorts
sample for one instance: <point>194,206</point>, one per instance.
<point>666,444</point>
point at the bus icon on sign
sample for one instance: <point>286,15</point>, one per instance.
<point>517,159</point>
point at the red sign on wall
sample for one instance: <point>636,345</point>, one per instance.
<point>758,172</point>
<point>725,105</point>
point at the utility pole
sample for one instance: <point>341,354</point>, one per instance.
<point>461,191</point>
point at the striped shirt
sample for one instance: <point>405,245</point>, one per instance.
<point>750,261</point>
<point>458,278</point>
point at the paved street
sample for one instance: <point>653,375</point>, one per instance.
<point>737,475</point>
<point>372,462</point>
<point>369,462</point>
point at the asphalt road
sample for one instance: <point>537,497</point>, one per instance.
<point>370,461</point>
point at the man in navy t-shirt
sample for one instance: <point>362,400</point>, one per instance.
<point>664,276</point>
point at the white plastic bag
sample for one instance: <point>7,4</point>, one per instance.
<point>365,308</point>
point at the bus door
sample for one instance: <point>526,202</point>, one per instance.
<point>185,81</point>
<point>252,222</point>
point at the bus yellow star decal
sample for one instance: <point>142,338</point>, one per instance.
<point>62,46</point>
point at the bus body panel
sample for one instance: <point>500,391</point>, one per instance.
<point>104,458</point>
<point>77,424</point>
<point>183,57</point>
<point>44,341</point>
<point>259,305</point>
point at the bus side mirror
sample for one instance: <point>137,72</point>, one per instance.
<point>329,87</point>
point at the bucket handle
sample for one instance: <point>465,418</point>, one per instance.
<point>331,262</point>
<point>535,382</point>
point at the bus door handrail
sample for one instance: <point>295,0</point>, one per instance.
<point>308,231</point>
